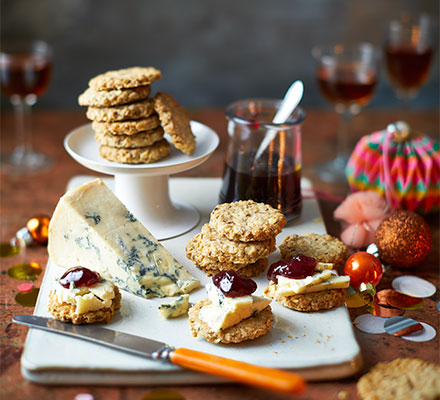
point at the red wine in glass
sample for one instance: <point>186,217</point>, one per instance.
<point>25,70</point>
<point>346,85</point>
<point>408,66</point>
<point>25,74</point>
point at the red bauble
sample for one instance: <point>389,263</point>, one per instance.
<point>363,267</point>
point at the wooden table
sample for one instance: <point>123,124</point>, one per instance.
<point>25,196</point>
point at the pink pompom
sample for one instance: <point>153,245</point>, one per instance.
<point>361,214</point>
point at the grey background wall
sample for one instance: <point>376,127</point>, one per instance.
<point>210,52</point>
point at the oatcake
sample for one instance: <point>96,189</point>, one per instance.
<point>125,78</point>
<point>107,98</point>
<point>323,248</point>
<point>175,122</point>
<point>127,127</point>
<point>140,155</point>
<point>141,139</point>
<point>246,220</point>
<point>249,270</point>
<point>248,329</point>
<point>218,247</point>
<point>401,379</point>
<point>141,109</point>
<point>66,312</point>
<point>313,301</point>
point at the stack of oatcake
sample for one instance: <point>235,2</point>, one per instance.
<point>239,236</point>
<point>129,125</point>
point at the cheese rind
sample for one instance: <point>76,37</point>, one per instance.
<point>224,312</point>
<point>91,228</point>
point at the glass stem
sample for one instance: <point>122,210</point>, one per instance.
<point>343,131</point>
<point>22,111</point>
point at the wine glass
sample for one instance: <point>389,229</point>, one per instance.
<point>408,54</point>
<point>25,69</point>
<point>347,76</point>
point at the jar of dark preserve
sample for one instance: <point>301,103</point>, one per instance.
<point>270,174</point>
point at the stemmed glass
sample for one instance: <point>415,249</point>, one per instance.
<point>347,76</point>
<point>25,69</point>
<point>408,54</point>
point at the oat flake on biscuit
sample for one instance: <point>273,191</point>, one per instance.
<point>175,121</point>
<point>125,78</point>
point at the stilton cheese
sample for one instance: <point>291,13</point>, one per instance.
<point>91,228</point>
<point>224,312</point>
<point>176,308</point>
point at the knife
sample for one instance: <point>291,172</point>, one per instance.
<point>267,378</point>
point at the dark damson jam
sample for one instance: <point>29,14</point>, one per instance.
<point>232,284</point>
<point>299,267</point>
<point>80,276</point>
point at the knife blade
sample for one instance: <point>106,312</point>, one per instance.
<point>239,371</point>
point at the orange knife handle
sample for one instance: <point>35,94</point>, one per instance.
<point>267,378</point>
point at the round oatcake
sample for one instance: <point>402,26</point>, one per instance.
<point>249,270</point>
<point>140,155</point>
<point>108,98</point>
<point>125,78</point>
<point>323,248</point>
<point>66,312</point>
<point>248,329</point>
<point>141,139</point>
<point>401,379</point>
<point>127,127</point>
<point>247,220</point>
<point>212,245</point>
<point>141,109</point>
<point>313,301</point>
<point>175,122</point>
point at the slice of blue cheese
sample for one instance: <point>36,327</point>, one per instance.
<point>224,312</point>
<point>91,228</point>
<point>176,308</point>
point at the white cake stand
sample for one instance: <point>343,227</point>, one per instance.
<point>143,188</point>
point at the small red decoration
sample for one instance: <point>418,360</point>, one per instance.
<point>403,239</point>
<point>363,267</point>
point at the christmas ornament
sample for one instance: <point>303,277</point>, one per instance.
<point>39,228</point>
<point>401,165</point>
<point>403,239</point>
<point>363,267</point>
<point>360,213</point>
<point>413,286</point>
<point>401,326</point>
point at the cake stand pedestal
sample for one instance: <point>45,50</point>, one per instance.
<point>143,188</point>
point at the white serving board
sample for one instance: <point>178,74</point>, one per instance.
<point>318,345</point>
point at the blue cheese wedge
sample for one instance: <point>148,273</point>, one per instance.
<point>224,312</point>
<point>90,227</point>
<point>176,308</point>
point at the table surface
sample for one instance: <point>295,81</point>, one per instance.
<point>25,196</point>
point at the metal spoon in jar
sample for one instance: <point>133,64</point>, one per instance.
<point>290,101</point>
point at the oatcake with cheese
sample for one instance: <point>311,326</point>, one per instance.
<point>248,329</point>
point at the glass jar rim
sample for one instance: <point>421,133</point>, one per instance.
<point>231,114</point>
